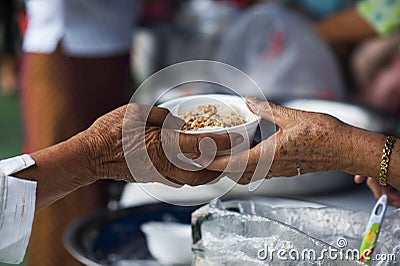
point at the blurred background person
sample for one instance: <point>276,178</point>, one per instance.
<point>74,69</point>
<point>376,68</point>
<point>347,29</point>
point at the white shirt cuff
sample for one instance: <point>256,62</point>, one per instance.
<point>17,209</point>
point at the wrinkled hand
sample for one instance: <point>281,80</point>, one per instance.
<point>305,142</point>
<point>131,140</point>
<point>378,190</point>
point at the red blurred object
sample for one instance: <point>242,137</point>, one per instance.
<point>278,43</point>
<point>22,20</point>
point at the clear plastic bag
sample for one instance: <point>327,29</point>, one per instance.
<point>240,232</point>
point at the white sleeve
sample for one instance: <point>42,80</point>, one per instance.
<point>17,209</point>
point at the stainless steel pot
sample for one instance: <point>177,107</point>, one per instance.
<point>114,237</point>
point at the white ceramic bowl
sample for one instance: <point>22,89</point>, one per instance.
<point>247,130</point>
<point>169,243</point>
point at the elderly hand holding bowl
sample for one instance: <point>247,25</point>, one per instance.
<point>98,153</point>
<point>310,142</point>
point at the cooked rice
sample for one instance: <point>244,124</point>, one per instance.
<point>211,116</point>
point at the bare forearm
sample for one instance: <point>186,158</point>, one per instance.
<point>346,27</point>
<point>59,170</point>
<point>366,149</point>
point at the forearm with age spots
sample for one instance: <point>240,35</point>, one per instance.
<point>365,155</point>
